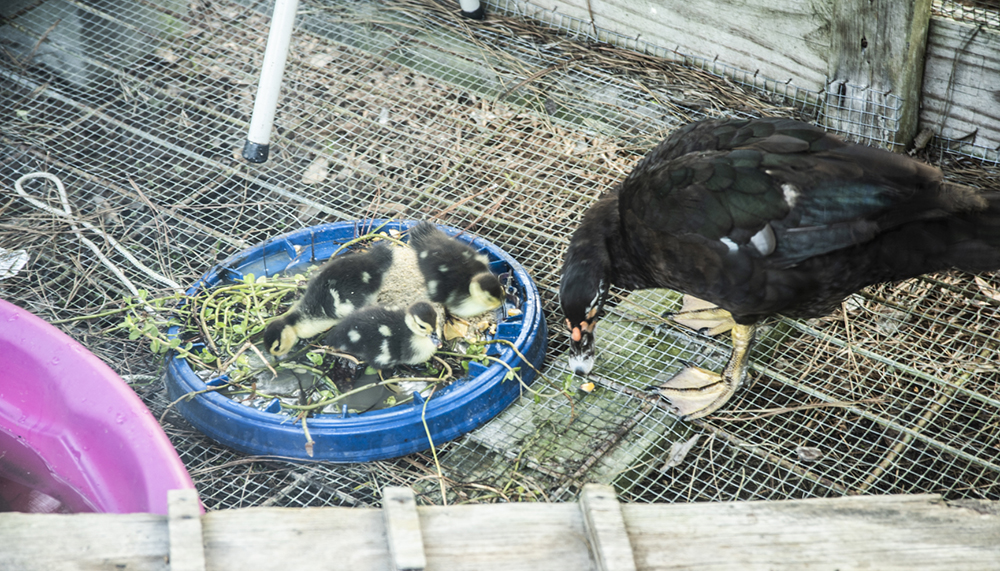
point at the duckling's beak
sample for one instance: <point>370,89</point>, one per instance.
<point>436,340</point>
<point>581,350</point>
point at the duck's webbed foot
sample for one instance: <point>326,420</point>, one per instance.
<point>702,316</point>
<point>696,392</point>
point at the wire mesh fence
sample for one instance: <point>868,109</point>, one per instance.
<point>507,129</point>
<point>980,12</point>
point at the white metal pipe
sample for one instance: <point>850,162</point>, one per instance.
<point>275,54</point>
<point>472,9</point>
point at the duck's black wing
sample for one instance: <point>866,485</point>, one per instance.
<point>774,216</point>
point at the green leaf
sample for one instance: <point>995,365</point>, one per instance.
<point>155,346</point>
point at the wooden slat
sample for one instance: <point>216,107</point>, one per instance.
<point>51,542</point>
<point>867,532</point>
<point>402,529</point>
<point>184,528</point>
<point>785,40</point>
<point>295,539</point>
<point>505,537</point>
<point>876,56</point>
<point>961,90</point>
<point>602,517</point>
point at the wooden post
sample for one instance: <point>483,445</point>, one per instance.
<point>187,552</point>
<point>402,529</point>
<point>876,68</point>
<point>602,517</point>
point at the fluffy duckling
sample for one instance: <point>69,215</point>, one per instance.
<point>385,337</point>
<point>342,285</point>
<point>456,276</point>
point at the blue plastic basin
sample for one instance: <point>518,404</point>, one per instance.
<point>452,411</point>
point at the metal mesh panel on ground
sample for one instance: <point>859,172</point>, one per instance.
<point>509,130</point>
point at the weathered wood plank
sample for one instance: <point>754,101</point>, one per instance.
<point>282,539</point>
<point>52,542</point>
<point>785,40</point>
<point>505,537</point>
<point>961,90</point>
<point>402,529</point>
<point>602,518</point>
<point>867,532</point>
<point>184,528</point>
<point>871,532</point>
<point>875,66</point>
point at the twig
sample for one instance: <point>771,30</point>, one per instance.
<point>430,439</point>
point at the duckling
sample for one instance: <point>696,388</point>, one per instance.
<point>342,285</point>
<point>455,275</point>
<point>385,337</point>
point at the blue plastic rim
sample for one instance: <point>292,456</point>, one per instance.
<point>452,411</point>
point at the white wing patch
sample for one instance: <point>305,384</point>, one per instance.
<point>791,194</point>
<point>442,268</point>
<point>764,240</point>
<point>354,336</point>
<point>385,330</point>
<point>729,244</point>
<point>432,287</point>
<point>366,277</point>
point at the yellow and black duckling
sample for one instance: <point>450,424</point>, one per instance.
<point>761,217</point>
<point>456,276</point>
<point>342,285</point>
<point>385,337</point>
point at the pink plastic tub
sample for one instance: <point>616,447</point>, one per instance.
<point>73,436</point>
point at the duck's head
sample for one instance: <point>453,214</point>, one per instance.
<point>582,292</point>
<point>422,319</point>
<point>280,336</point>
<point>485,294</point>
<point>586,277</point>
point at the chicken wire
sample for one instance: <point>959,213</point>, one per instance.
<point>980,12</point>
<point>508,129</point>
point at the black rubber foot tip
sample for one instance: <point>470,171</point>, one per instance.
<point>477,14</point>
<point>255,152</point>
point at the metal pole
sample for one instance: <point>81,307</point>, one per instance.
<point>472,9</point>
<point>258,137</point>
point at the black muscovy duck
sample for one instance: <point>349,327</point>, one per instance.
<point>760,217</point>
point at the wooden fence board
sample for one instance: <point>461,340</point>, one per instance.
<point>283,539</point>
<point>870,532</point>
<point>785,40</point>
<point>52,542</point>
<point>961,93</point>
<point>505,537</point>
<point>862,532</point>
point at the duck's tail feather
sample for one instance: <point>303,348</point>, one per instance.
<point>974,244</point>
